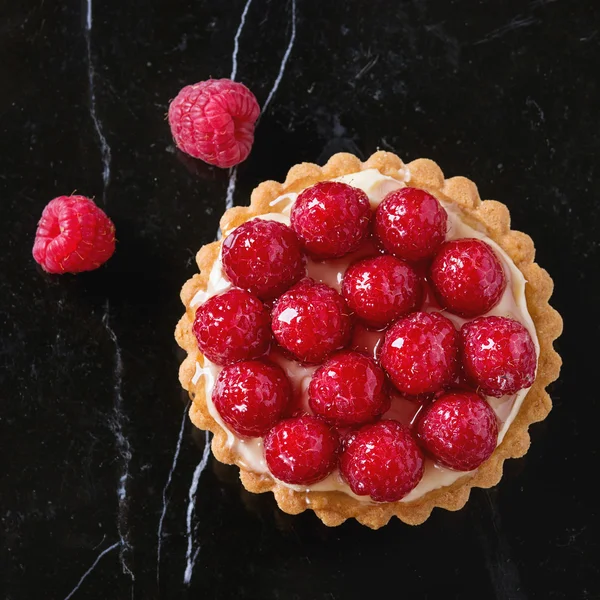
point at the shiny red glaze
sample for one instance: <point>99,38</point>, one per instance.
<point>348,389</point>
<point>380,290</point>
<point>498,355</point>
<point>459,430</point>
<point>382,461</point>
<point>263,257</point>
<point>251,396</point>
<point>301,450</point>
<point>420,353</point>
<point>410,224</point>
<point>311,320</point>
<point>232,327</point>
<point>331,218</point>
<point>467,276</point>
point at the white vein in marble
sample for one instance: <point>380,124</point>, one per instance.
<point>166,488</point>
<point>105,151</point>
<point>286,56</point>
<point>234,65</point>
<point>122,447</point>
<point>233,171</point>
<point>190,555</point>
<point>94,565</point>
<point>236,40</point>
<point>230,187</point>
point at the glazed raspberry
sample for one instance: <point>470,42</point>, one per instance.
<point>382,461</point>
<point>331,218</point>
<point>411,224</point>
<point>458,430</point>
<point>231,327</point>
<point>301,450</point>
<point>420,353</point>
<point>498,355</point>
<point>251,396</point>
<point>311,321</point>
<point>73,235</point>
<point>263,257</point>
<point>348,389</point>
<point>468,277</point>
<point>381,289</point>
<point>214,120</point>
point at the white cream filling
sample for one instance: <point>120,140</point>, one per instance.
<point>512,304</point>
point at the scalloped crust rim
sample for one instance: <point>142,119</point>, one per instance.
<point>333,508</point>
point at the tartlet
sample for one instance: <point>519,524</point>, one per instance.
<point>491,221</point>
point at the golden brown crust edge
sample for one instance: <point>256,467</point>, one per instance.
<point>333,508</point>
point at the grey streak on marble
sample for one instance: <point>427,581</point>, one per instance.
<point>105,150</point>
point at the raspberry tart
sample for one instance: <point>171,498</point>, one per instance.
<point>368,340</point>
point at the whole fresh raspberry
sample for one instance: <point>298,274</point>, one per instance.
<point>301,450</point>
<point>459,430</point>
<point>467,276</point>
<point>311,321</point>
<point>420,353</point>
<point>251,396</point>
<point>348,389</point>
<point>331,218</point>
<point>381,289</point>
<point>263,257</point>
<point>232,327</point>
<point>498,355</point>
<point>382,461</point>
<point>214,121</point>
<point>73,235</point>
<point>411,224</point>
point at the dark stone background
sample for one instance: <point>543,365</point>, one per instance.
<point>505,93</point>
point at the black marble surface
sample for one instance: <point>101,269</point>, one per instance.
<point>91,455</point>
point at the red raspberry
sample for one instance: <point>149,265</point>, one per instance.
<point>301,450</point>
<point>411,224</point>
<point>498,355</point>
<point>311,321</point>
<point>459,430</point>
<point>73,235</point>
<point>420,353</point>
<point>381,289</point>
<point>348,389</point>
<point>251,396</point>
<point>468,277</point>
<point>382,461</point>
<point>331,218</point>
<point>214,120</point>
<point>231,327</point>
<point>263,257</point>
